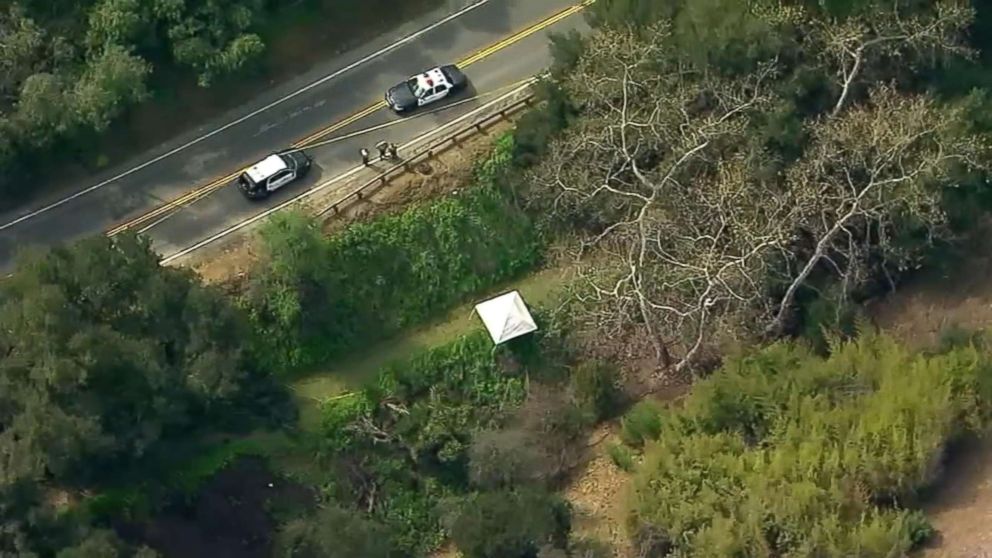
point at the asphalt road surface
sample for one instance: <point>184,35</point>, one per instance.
<point>505,41</point>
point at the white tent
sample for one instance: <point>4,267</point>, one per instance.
<point>506,317</point>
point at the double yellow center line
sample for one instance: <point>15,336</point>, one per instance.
<point>207,189</point>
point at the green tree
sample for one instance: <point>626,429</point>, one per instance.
<point>106,353</point>
<point>334,533</point>
<point>509,524</point>
<point>211,36</point>
<point>104,544</point>
<point>114,79</point>
<point>43,112</point>
<point>115,22</point>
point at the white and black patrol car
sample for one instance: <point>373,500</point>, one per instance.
<point>272,173</point>
<point>426,88</point>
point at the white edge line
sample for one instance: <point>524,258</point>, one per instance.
<point>337,139</point>
<point>320,81</point>
<point>234,228</point>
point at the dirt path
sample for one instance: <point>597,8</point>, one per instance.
<point>597,495</point>
<point>919,314</point>
<point>962,509</point>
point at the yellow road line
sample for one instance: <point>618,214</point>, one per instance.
<point>341,124</point>
<point>203,191</point>
<point>520,35</point>
<point>177,203</point>
<point>464,63</point>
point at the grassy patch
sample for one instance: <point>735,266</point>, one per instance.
<point>353,372</point>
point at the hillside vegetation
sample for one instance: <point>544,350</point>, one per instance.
<point>732,181</point>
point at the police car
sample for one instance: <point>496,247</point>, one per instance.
<point>426,88</point>
<point>272,173</point>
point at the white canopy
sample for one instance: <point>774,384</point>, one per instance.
<point>506,317</point>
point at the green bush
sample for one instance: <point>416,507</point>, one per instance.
<point>787,453</point>
<point>507,524</point>
<point>410,432</point>
<point>334,532</point>
<point>595,388</point>
<point>641,424</point>
<point>314,297</point>
<point>826,316</point>
<point>622,456</point>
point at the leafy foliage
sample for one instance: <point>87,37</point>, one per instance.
<point>334,532</point>
<point>71,68</point>
<point>314,297</point>
<point>403,441</point>
<point>103,544</point>
<point>622,456</point>
<point>842,436</point>
<point>509,524</point>
<point>641,423</point>
<point>596,389</point>
<point>106,353</point>
<point>109,359</point>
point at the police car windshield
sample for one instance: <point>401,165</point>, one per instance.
<point>414,86</point>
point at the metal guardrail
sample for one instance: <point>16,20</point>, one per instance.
<point>427,153</point>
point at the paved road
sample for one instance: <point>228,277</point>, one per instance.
<point>262,126</point>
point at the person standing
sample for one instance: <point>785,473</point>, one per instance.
<point>382,146</point>
<point>365,157</point>
<point>394,151</point>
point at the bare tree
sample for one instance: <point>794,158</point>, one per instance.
<point>659,171</point>
<point>865,174</point>
<point>900,35</point>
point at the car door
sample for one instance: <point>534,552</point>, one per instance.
<point>441,91</point>
<point>435,94</point>
<point>280,179</point>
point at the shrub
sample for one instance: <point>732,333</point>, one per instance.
<point>412,433</point>
<point>641,424</point>
<point>788,453</point>
<point>622,456</point>
<point>506,459</point>
<point>918,528</point>
<point>508,524</point>
<point>595,389</point>
<point>826,315</point>
<point>334,532</point>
